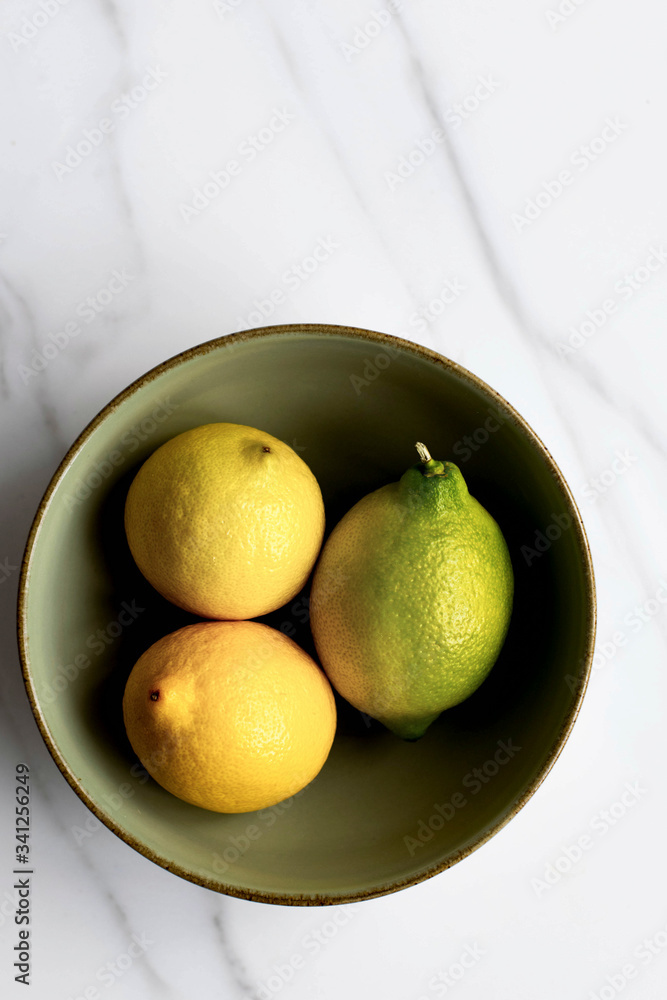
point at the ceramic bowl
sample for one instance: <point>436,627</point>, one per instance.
<point>383,814</point>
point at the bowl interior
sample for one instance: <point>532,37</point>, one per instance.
<point>382,813</point>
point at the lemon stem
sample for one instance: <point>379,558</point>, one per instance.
<point>430,466</point>
<point>423,452</point>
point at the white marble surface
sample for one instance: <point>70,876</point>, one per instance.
<point>519,96</point>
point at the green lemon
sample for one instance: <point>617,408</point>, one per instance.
<point>412,598</point>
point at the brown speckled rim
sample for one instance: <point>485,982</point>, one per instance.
<point>380,339</point>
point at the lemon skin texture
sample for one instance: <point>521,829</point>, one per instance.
<point>229,716</point>
<point>225,521</point>
<point>412,598</point>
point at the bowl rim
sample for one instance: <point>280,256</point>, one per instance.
<point>383,340</point>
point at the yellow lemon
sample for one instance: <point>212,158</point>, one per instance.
<point>225,521</point>
<point>230,716</point>
<point>412,598</point>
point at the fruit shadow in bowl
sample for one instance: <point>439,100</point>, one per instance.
<point>149,617</point>
<point>146,617</point>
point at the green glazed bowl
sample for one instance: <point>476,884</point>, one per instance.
<point>383,814</point>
